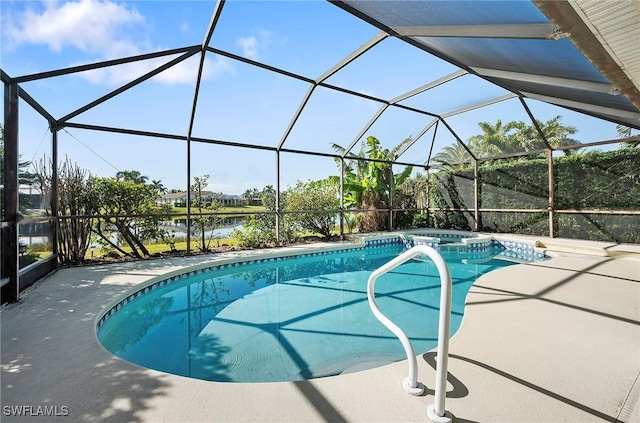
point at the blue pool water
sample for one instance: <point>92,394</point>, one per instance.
<point>292,319</point>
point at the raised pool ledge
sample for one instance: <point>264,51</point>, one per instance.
<point>517,248</point>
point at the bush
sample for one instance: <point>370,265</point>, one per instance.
<point>315,204</point>
<point>251,236</point>
<point>420,221</point>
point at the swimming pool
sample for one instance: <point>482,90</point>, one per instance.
<point>288,318</point>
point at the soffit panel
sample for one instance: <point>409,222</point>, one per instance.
<point>618,28</point>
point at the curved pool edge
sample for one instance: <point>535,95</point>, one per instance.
<point>524,249</point>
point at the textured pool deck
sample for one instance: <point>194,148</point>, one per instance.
<point>556,341</point>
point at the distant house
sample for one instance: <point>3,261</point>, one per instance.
<point>180,198</point>
<point>174,198</point>
<point>229,200</point>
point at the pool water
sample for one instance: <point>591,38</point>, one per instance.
<point>292,319</point>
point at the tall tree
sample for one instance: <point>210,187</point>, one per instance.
<point>250,195</point>
<point>513,137</point>
<point>495,139</point>
<point>558,134</point>
<point>132,175</point>
<point>128,207</point>
<point>315,204</point>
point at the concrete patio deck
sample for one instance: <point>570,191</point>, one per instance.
<point>555,341</point>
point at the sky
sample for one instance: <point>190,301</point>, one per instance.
<point>237,102</point>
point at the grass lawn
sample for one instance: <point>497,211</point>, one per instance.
<point>228,209</point>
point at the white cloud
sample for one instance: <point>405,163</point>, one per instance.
<point>253,46</point>
<point>249,47</point>
<point>187,71</point>
<point>92,26</point>
<point>184,72</point>
<point>104,30</point>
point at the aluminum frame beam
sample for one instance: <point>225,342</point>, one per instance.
<point>10,265</point>
<point>547,80</point>
<point>444,122</point>
<point>215,15</point>
<point>535,123</point>
<point>365,129</point>
<point>396,100</point>
<point>183,138</point>
<point>417,137</point>
<point>125,87</point>
<point>563,14</point>
<point>326,75</point>
<point>478,105</point>
<point>104,64</point>
<point>430,85</point>
<point>524,31</point>
<point>601,110</point>
<point>27,98</point>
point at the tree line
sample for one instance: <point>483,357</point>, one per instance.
<point>92,207</point>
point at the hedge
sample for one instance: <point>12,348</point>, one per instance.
<point>585,182</point>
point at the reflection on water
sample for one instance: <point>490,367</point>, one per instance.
<point>290,319</point>
<point>178,227</point>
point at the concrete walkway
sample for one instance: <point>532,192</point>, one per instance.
<point>557,341</point>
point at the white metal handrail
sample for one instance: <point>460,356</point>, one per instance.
<point>436,412</point>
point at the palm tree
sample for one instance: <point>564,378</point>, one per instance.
<point>526,136</point>
<point>495,138</point>
<point>625,132</point>
<point>558,134</point>
<point>453,156</point>
<point>518,136</point>
<point>158,186</point>
<point>251,195</point>
<point>132,175</point>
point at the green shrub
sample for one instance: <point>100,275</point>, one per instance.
<point>252,237</point>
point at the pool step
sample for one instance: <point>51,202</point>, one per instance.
<point>451,247</point>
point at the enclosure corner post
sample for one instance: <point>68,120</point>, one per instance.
<point>391,193</point>
<point>278,197</point>
<point>54,187</point>
<point>342,199</point>
<point>10,257</point>
<point>551,193</point>
<point>476,188</point>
